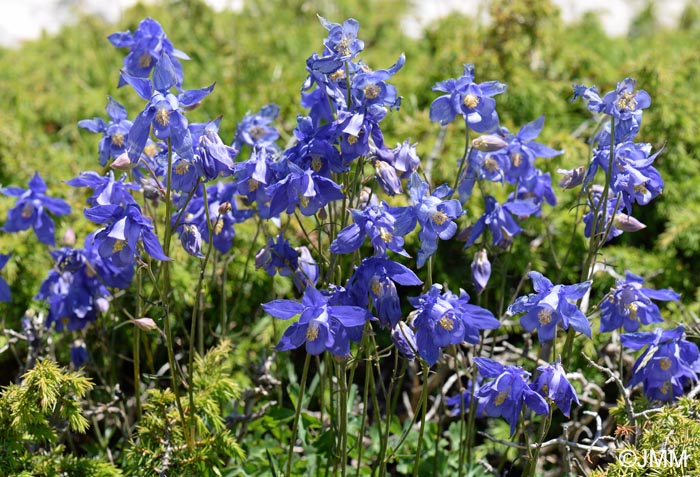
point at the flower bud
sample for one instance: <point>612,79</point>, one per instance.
<point>481,270</point>
<point>69,237</point>
<point>145,324</point>
<point>489,143</point>
<point>627,223</point>
<point>225,207</point>
<point>387,178</point>
<point>404,340</point>
<point>122,163</point>
<point>571,178</point>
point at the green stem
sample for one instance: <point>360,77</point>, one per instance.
<point>165,298</point>
<point>464,161</point>
<point>424,411</point>
<point>343,416</point>
<point>137,346</point>
<point>297,413</point>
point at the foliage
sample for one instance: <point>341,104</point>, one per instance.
<point>159,445</point>
<point>36,415</point>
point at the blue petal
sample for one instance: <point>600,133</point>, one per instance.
<point>283,309</point>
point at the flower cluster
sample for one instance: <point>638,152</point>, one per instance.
<point>667,364</point>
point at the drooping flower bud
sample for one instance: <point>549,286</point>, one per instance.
<point>123,163</point>
<point>481,270</point>
<point>404,340</point>
<point>627,223</point>
<point>571,178</point>
<point>489,143</point>
<point>145,324</point>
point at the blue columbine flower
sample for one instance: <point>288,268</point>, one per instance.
<point>106,190</point>
<point>74,290</point>
<point>277,257</point>
<point>629,304</point>
<point>442,319</point>
<point>550,306</point>
<point>506,395</point>
<point>375,222</point>
<point>434,214</point>
<point>667,364</point>
<point>499,220</point>
<point>522,150</point>
<point>4,287</point>
<point>115,133</point>
<point>78,354</point>
<point>320,323</point>
<point>307,273</point>
<point>256,129</point>
<point>553,385</point>
<point>471,100</point>
<point>341,45</point>
<point>31,208</point>
<point>632,174</point>
<point>624,105</point>
<point>376,278</point>
<point>146,46</point>
<point>164,111</point>
<point>304,189</point>
<point>119,239</point>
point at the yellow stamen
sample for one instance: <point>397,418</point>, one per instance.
<point>632,310</point>
<point>252,185</point>
<point>118,139</point>
<point>316,163</point>
<point>439,217</point>
<point>118,246</point>
<point>447,323</point>
<point>516,158</point>
<point>500,399</point>
<point>163,116</point>
<point>311,332</point>
<point>627,100</point>
<point>491,164</point>
<point>471,101</point>
<point>372,91</point>
<point>545,316</point>
<point>338,75</point>
<point>181,167</point>
<point>385,235</point>
<point>27,211</point>
<point>145,60</point>
<point>352,139</point>
<point>665,364</point>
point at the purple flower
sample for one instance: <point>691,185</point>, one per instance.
<point>78,353</point>
<point>376,278</point>
<point>163,112</point>
<point>31,210</point>
<point>307,273</point>
<point>629,304</point>
<point>522,150</point>
<point>146,46</point>
<point>442,319</point>
<point>115,133</point>
<point>119,239</point>
<point>668,363</point>
<point>304,189</point>
<point>256,129</point>
<point>473,101</point>
<point>434,215</point>
<point>500,221</point>
<point>550,306</point>
<point>341,45</point>
<point>553,385</point>
<point>277,257</point>
<point>375,222</point>
<point>506,395</point>
<point>624,105</point>
<point>107,191</point>
<point>321,325</point>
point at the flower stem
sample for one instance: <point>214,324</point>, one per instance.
<point>297,413</point>
<point>424,411</point>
